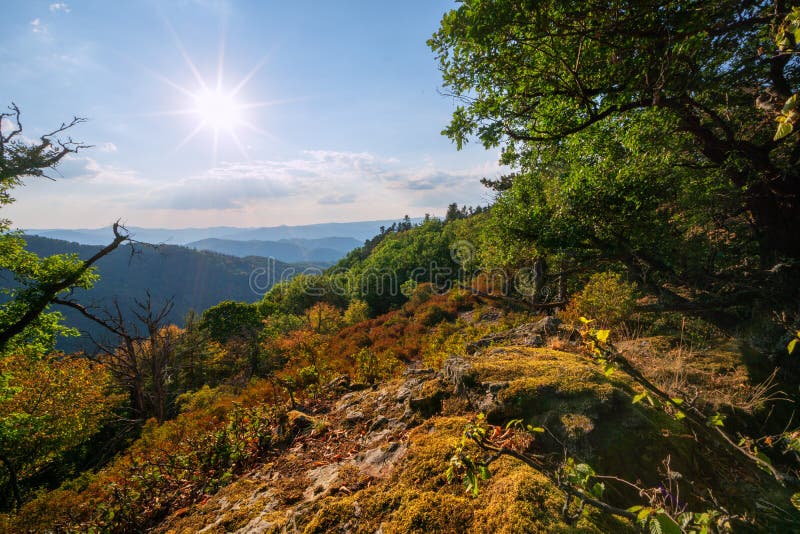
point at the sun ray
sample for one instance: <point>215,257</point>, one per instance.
<point>185,55</point>
<point>238,144</point>
<point>269,103</point>
<point>249,75</point>
<point>190,136</point>
<point>215,148</point>
<point>221,52</point>
<point>216,106</point>
<point>259,131</point>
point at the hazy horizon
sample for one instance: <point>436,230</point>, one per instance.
<point>209,113</point>
<point>252,227</point>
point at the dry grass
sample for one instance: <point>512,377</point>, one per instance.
<point>713,378</point>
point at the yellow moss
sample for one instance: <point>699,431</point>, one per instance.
<point>417,498</point>
<point>395,509</point>
<point>518,500</point>
<point>424,512</point>
<point>561,371</point>
<point>542,380</point>
<point>430,447</point>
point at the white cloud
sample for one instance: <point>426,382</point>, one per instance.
<point>338,199</point>
<point>316,186</point>
<point>325,178</point>
<point>88,171</point>
<point>59,6</point>
<point>107,147</point>
<point>37,26</point>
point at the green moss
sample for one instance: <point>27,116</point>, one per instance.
<point>540,385</point>
<point>430,447</point>
<point>424,512</point>
<point>518,501</point>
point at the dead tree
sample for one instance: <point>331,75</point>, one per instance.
<point>142,356</point>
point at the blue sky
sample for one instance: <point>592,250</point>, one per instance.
<point>338,118</point>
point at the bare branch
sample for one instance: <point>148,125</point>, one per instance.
<point>48,292</point>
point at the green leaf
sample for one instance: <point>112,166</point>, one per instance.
<point>784,129</point>
<point>634,509</point>
<point>792,345</point>
<point>638,398</point>
<point>597,490</point>
<point>666,525</point>
<point>484,472</point>
<point>536,429</point>
<point>602,335</point>
<point>513,422</point>
<point>790,104</point>
<point>716,420</point>
<point>676,400</point>
<point>679,415</point>
<point>795,500</point>
<point>584,320</point>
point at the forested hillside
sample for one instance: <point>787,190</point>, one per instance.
<point>181,236</point>
<point>190,279</point>
<point>611,345</point>
<point>325,250</point>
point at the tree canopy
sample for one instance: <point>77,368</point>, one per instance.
<point>640,134</point>
<point>708,78</point>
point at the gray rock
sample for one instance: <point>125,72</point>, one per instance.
<point>354,416</point>
<point>378,423</point>
<point>322,480</point>
<point>340,383</point>
<point>404,391</point>
<point>546,327</point>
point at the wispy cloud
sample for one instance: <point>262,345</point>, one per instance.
<point>37,26</point>
<point>318,177</point>
<point>338,199</point>
<point>59,6</point>
<point>107,147</point>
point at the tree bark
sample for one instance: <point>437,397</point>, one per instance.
<point>12,476</point>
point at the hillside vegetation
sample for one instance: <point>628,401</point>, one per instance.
<point>610,346</point>
<point>191,280</point>
<point>302,412</point>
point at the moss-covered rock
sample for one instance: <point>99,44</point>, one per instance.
<point>393,479</point>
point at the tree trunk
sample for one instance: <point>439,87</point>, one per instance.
<point>775,207</point>
<point>562,284</point>
<point>12,477</point>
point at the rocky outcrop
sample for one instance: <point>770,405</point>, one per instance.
<point>374,460</point>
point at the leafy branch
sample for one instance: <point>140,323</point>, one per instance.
<point>597,345</point>
<point>579,482</point>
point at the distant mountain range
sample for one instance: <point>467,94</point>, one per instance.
<point>325,250</point>
<point>359,231</point>
<point>194,279</point>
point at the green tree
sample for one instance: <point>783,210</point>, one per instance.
<point>236,325</point>
<point>706,74</point>
<point>229,319</point>
<point>25,323</point>
<point>356,312</point>
<point>49,406</point>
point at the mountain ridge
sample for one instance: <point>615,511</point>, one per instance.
<point>359,230</point>
<point>322,250</point>
<point>193,279</point>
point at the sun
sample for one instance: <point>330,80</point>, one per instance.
<point>218,109</point>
